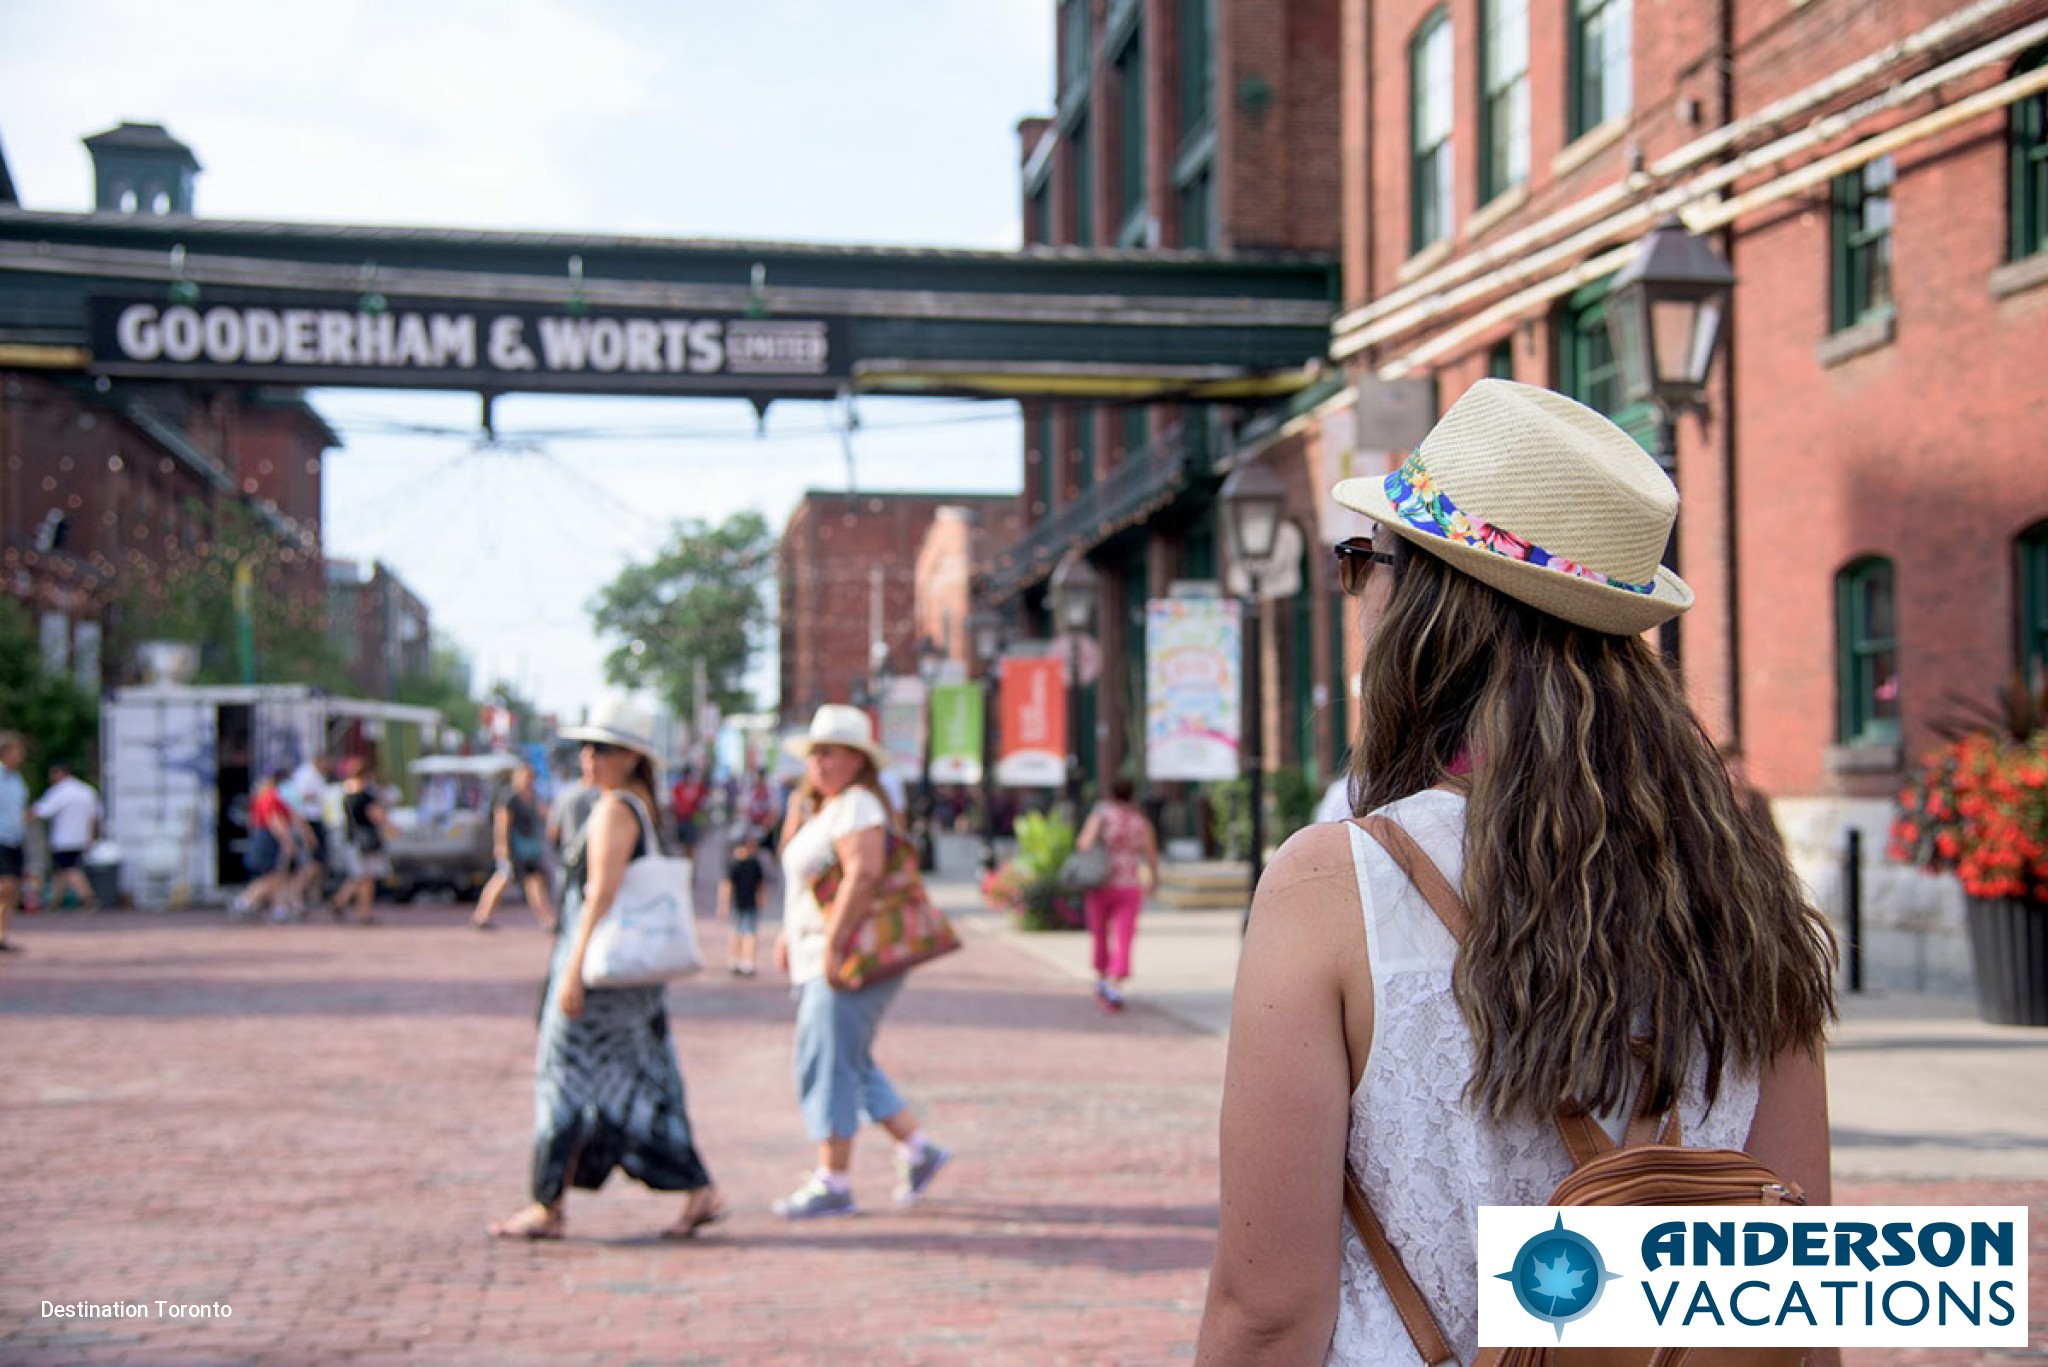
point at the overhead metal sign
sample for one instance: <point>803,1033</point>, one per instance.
<point>339,339</point>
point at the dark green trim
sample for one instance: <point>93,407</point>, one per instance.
<point>1340,682</point>
<point>1496,104</point>
<point>1864,643</point>
<point>1085,423</point>
<point>1500,359</point>
<point>1586,95</point>
<point>2028,161</point>
<point>2031,556</point>
<point>1860,245</point>
<point>1081,179</point>
<point>1587,370</point>
<point>1076,41</point>
<point>1197,68</point>
<point>1130,98</point>
<point>1197,210</point>
<point>1428,216</point>
<point>1301,633</point>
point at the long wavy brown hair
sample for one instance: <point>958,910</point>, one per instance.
<point>1628,909</point>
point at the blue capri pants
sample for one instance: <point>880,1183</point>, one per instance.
<point>836,1075</point>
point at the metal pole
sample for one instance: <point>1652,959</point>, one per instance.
<point>989,700</point>
<point>1074,724</point>
<point>1254,745</point>
<point>927,855</point>
<point>1666,456</point>
<point>1852,906</point>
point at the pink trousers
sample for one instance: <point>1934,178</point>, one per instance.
<point>1112,922</point>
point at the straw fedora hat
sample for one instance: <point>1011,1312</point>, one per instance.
<point>1542,498</point>
<point>616,721</point>
<point>838,724</point>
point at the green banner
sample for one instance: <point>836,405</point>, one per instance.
<point>956,733</point>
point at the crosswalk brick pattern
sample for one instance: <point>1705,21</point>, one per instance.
<point>311,1125</point>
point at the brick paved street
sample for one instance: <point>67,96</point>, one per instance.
<point>312,1124</point>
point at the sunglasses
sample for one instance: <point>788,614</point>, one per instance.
<point>1356,556</point>
<point>603,749</point>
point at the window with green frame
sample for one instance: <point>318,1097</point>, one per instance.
<point>1429,131</point>
<point>1866,653</point>
<point>1587,370</point>
<point>1137,432</point>
<point>1196,212</point>
<point>1500,360</point>
<point>1301,671</point>
<point>1597,60</point>
<point>1081,166</point>
<point>2032,563</point>
<point>1861,245</point>
<point>1075,39</point>
<point>1048,444</point>
<point>1084,449</point>
<point>1038,208</point>
<point>1340,682</point>
<point>1130,85</point>
<point>1196,67</point>
<point>2028,205</point>
<point>1503,96</point>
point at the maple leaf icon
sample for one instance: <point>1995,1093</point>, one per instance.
<point>1557,1280</point>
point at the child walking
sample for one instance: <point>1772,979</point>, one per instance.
<point>739,898</point>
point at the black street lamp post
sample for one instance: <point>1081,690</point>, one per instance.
<point>1665,312</point>
<point>1251,500</point>
<point>929,657</point>
<point>1074,587</point>
<point>985,629</point>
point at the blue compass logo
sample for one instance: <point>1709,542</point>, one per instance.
<point>1558,1276</point>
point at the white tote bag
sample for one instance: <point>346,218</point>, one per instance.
<point>650,934</point>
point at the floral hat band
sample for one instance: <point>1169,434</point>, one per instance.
<point>1428,509</point>
<point>1576,514</point>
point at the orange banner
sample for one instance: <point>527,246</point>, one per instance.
<point>1034,724</point>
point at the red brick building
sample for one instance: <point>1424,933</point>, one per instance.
<point>846,583</point>
<point>380,627</point>
<point>1865,492</point>
<point>1180,125</point>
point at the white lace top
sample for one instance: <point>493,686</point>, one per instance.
<point>1425,1160</point>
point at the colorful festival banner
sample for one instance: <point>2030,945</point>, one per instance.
<point>1034,717</point>
<point>1193,685</point>
<point>902,726</point>
<point>956,733</point>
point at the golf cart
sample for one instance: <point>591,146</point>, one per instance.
<point>445,841</point>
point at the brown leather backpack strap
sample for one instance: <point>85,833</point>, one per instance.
<point>1584,1139</point>
<point>1409,1303</point>
<point>1422,871</point>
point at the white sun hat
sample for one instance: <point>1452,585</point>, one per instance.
<point>838,724</point>
<point>1542,498</point>
<point>620,722</point>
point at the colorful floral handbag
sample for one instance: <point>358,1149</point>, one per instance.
<point>901,930</point>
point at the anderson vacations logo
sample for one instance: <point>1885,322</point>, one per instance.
<point>1854,1276</point>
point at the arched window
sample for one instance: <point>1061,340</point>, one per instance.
<point>1867,652</point>
<point>2031,600</point>
<point>2028,207</point>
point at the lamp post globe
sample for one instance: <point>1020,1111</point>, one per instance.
<point>1252,500</point>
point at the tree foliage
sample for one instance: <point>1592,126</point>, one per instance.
<point>58,719</point>
<point>189,595</point>
<point>703,597</point>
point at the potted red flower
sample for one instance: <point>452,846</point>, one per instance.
<point>1977,807</point>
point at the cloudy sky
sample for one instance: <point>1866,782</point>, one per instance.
<point>882,121</point>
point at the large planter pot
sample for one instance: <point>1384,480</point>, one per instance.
<point>2009,949</point>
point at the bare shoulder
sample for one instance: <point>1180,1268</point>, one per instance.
<point>1312,870</point>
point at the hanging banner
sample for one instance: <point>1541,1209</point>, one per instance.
<point>1034,717</point>
<point>902,727</point>
<point>956,733</point>
<point>1194,650</point>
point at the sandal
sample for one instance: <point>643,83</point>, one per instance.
<point>697,1217</point>
<point>534,1222</point>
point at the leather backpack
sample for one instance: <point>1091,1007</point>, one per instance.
<point>1648,1168</point>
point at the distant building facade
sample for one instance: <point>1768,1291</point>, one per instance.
<point>380,627</point>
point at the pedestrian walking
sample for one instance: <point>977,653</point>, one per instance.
<point>1637,944</point>
<point>71,808</point>
<point>739,900</point>
<point>839,816</point>
<point>608,1091</point>
<point>13,831</point>
<point>268,855</point>
<point>1120,829</point>
<point>519,840</point>
<point>366,828</point>
<point>686,803</point>
<point>306,793</point>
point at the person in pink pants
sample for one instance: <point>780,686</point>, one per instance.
<point>1122,829</point>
